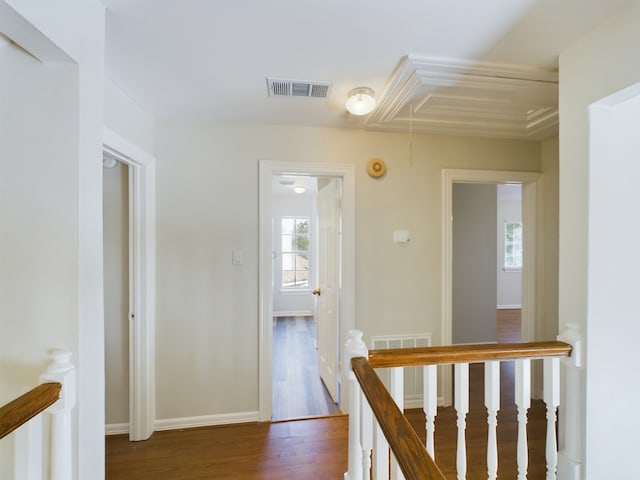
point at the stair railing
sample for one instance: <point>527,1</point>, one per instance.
<point>55,397</point>
<point>382,443</point>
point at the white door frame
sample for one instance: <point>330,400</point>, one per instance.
<point>142,404</point>
<point>530,265</point>
<point>268,169</point>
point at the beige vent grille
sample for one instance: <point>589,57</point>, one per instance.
<point>296,88</point>
<point>413,380</point>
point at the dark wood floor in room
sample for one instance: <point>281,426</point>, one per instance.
<point>298,391</point>
<point>317,448</point>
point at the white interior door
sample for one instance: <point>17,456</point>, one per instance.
<point>328,315</point>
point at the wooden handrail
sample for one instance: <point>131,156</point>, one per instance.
<point>472,353</point>
<point>24,408</point>
<point>413,459</point>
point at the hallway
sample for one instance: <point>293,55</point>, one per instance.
<point>298,391</point>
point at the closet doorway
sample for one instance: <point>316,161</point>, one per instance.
<point>137,268</point>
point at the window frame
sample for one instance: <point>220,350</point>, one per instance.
<point>517,241</point>
<point>283,253</point>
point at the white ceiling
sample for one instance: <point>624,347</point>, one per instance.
<point>209,60</point>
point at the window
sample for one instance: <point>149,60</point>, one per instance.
<point>295,252</point>
<point>512,245</point>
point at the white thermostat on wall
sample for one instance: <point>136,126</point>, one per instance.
<point>401,236</point>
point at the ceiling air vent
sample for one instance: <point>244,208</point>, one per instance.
<point>296,88</point>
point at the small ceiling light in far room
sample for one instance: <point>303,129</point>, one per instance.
<point>361,101</point>
<point>299,189</point>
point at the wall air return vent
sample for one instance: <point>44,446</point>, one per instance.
<point>279,87</point>
<point>413,376</point>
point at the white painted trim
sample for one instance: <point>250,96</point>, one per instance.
<point>142,383</point>
<point>269,168</point>
<point>568,468</point>
<point>294,313</point>
<point>206,420</point>
<point>116,428</point>
<point>531,265</point>
<point>297,292</point>
<point>508,307</point>
<point>431,77</point>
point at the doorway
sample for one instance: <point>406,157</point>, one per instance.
<point>529,272</point>
<point>304,382</point>
<point>140,167</point>
<point>487,261</point>
<point>271,274</point>
<point>116,268</point>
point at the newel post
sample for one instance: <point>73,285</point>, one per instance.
<point>61,370</point>
<point>571,430</point>
<point>355,347</point>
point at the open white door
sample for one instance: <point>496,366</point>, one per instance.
<point>327,308</point>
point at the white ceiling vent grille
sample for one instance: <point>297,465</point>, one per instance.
<point>296,88</point>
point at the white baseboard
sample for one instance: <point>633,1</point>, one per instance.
<point>508,307</point>
<point>206,420</point>
<point>415,401</point>
<point>294,313</point>
<point>116,428</point>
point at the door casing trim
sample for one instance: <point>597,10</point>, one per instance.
<point>531,269</point>
<point>267,169</point>
<point>142,381</point>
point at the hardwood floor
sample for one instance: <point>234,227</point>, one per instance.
<point>313,449</point>
<point>298,391</point>
<point>317,448</point>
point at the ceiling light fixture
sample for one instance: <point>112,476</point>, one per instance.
<point>361,101</point>
<point>299,189</point>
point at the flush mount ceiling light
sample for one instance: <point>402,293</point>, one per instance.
<point>360,101</point>
<point>299,189</point>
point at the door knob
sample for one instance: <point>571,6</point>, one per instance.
<point>316,292</point>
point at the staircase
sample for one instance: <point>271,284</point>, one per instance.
<point>382,443</point>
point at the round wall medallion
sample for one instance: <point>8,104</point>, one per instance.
<point>376,168</point>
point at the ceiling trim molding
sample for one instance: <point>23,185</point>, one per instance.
<point>439,95</point>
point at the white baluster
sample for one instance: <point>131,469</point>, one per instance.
<point>354,347</point>
<point>571,424</point>
<point>430,397</point>
<point>523,402</point>
<point>551,397</point>
<point>396,389</point>
<point>28,450</point>
<point>461,404</point>
<point>492,402</point>
<point>61,370</point>
<point>380,455</point>
<point>366,435</point>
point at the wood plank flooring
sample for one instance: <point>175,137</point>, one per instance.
<point>298,391</point>
<point>317,448</point>
<point>310,449</point>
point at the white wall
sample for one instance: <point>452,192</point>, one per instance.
<point>509,282</point>
<point>39,256</point>
<point>116,293</point>
<point>547,329</point>
<point>600,64</point>
<point>51,178</point>
<point>124,117</point>
<point>613,310</point>
<point>208,206</point>
<point>298,301</point>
